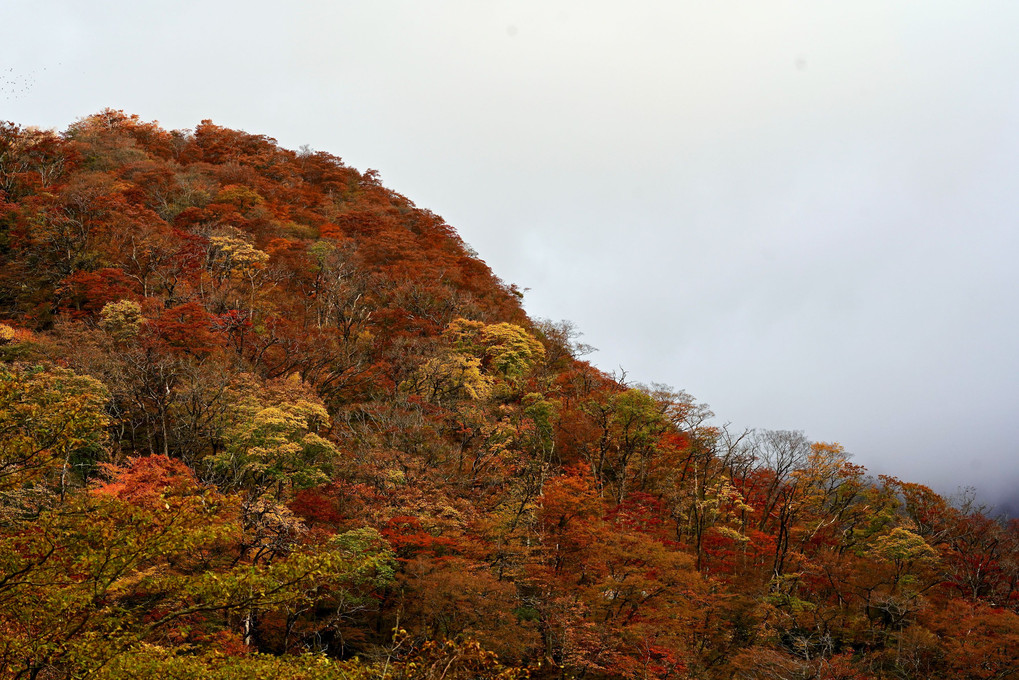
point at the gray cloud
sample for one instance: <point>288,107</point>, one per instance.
<point>802,212</point>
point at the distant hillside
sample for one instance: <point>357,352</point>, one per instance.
<point>261,416</point>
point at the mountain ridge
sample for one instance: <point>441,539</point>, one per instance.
<point>257,405</point>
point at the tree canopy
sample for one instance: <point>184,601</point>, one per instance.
<point>261,416</point>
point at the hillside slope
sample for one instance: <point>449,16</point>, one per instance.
<point>262,417</point>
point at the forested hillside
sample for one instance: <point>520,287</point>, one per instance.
<point>262,417</point>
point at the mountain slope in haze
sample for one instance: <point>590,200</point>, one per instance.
<point>261,416</point>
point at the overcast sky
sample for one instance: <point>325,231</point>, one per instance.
<point>802,212</point>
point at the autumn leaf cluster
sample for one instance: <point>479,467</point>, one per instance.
<point>261,416</point>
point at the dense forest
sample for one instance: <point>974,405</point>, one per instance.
<point>262,417</point>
